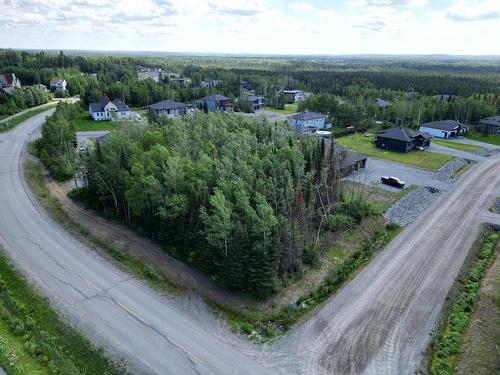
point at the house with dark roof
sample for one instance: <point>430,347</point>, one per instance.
<point>443,128</point>
<point>106,109</point>
<point>251,103</point>
<point>170,108</point>
<point>58,84</point>
<point>9,83</point>
<point>292,96</point>
<point>489,125</point>
<point>307,121</point>
<point>214,103</point>
<point>349,160</point>
<point>402,139</point>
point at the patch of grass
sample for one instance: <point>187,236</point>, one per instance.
<point>431,161</point>
<point>83,123</point>
<point>491,139</point>
<point>7,125</point>
<point>461,170</point>
<point>447,347</point>
<point>35,340</point>
<point>36,181</point>
<point>456,145</point>
<point>264,327</point>
<point>289,109</point>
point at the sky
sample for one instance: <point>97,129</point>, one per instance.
<point>301,27</point>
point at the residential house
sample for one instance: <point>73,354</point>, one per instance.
<point>292,96</point>
<point>349,160</point>
<point>443,128</point>
<point>308,121</point>
<point>411,94</point>
<point>58,84</point>
<point>170,108</point>
<point>246,88</point>
<point>214,103</point>
<point>252,103</point>
<point>444,97</point>
<point>9,83</point>
<point>106,109</point>
<point>148,73</point>
<point>210,83</point>
<point>489,125</point>
<point>402,139</point>
<point>381,103</point>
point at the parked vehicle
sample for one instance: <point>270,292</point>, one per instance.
<point>392,181</point>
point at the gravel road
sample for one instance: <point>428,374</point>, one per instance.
<point>379,323</point>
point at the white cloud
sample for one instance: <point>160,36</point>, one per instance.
<point>301,7</point>
<point>474,10</point>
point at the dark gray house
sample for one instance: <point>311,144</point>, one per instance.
<point>349,160</point>
<point>489,125</point>
<point>170,108</point>
<point>402,139</point>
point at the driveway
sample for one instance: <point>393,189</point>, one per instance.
<point>453,152</point>
<point>376,168</point>
<point>475,143</point>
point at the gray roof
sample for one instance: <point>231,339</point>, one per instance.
<point>216,97</point>
<point>121,106</point>
<point>166,105</point>
<point>402,134</point>
<point>99,106</point>
<point>495,120</point>
<point>446,125</point>
<point>251,98</point>
<point>307,116</point>
<point>382,103</point>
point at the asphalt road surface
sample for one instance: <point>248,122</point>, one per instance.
<point>377,324</point>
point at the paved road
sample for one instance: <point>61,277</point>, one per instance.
<point>377,324</point>
<point>434,147</point>
<point>154,334</point>
<point>23,112</point>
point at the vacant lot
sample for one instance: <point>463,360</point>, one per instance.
<point>84,123</point>
<point>491,139</point>
<point>456,145</point>
<point>289,109</point>
<point>421,159</point>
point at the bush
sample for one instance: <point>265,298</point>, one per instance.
<point>339,222</point>
<point>356,206</point>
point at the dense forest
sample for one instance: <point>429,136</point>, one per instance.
<point>94,76</point>
<point>234,197</point>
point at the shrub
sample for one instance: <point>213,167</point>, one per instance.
<point>339,222</point>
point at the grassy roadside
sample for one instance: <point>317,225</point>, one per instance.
<point>431,161</point>
<point>5,126</point>
<point>447,346</point>
<point>456,145</point>
<point>36,181</point>
<point>491,139</point>
<point>34,339</point>
<point>264,327</point>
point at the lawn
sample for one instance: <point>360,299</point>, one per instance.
<point>5,126</point>
<point>289,109</point>
<point>491,139</point>
<point>431,161</point>
<point>456,145</point>
<point>84,123</point>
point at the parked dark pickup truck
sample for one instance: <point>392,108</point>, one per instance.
<point>393,181</point>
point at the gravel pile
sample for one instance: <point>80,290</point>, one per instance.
<point>408,208</point>
<point>446,172</point>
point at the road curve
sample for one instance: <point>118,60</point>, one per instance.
<point>152,333</point>
<point>377,324</point>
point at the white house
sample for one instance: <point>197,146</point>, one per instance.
<point>9,83</point>
<point>171,108</point>
<point>58,84</point>
<point>106,109</point>
<point>443,129</point>
<point>308,121</point>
